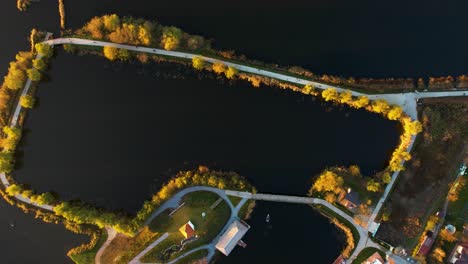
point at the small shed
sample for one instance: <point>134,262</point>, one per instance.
<point>350,200</point>
<point>187,230</point>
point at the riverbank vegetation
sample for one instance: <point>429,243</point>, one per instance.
<point>137,31</point>
<point>23,5</point>
<point>424,184</point>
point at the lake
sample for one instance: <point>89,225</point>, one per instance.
<point>105,132</point>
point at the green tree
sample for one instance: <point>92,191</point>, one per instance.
<point>44,49</point>
<point>330,94</point>
<point>39,64</point>
<point>43,198</point>
<point>198,63</point>
<point>6,162</point>
<point>373,186</point>
<point>34,74</point>
<point>171,38</point>
<point>231,72</point>
<point>196,42</point>
<point>27,101</point>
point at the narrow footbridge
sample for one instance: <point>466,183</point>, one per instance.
<point>274,197</point>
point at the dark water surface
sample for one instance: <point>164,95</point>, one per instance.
<point>111,134</point>
<point>104,132</point>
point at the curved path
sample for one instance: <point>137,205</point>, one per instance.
<point>406,100</point>
<point>111,234</point>
<point>13,123</point>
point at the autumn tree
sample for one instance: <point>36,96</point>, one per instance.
<point>330,94</point>
<point>112,53</point>
<point>328,181</point>
<point>43,198</point>
<point>447,236</point>
<point>386,177</point>
<point>412,127</point>
<point>395,113</point>
<point>196,43</point>
<point>34,74</point>
<point>330,197</point>
<point>127,33</point>
<point>360,102</point>
<point>44,50</point>
<point>373,185</point>
<point>308,89</point>
<point>354,170</point>
<point>198,63</point>
<point>27,101</point>
<point>111,22</point>
<point>95,27</point>
<point>145,33</point>
<point>15,78</point>
<point>230,72</point>
<point>345,97</point>
<point>380,106</point>
<point>438,254</point>
<point>171,37</point>
<point>255,81</point>
<point>39,64</point>
<point>14,189</point>
<point>13,135</point>
<point>219,67</point>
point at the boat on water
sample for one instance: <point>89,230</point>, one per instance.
<point>267,219</point>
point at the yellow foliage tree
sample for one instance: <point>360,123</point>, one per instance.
<point>380,106</point>
<point>328,181</point>
<point>230,72</point>
<point>360,102</point>
<point>111,22</point>
<point>198,63</point>
<point>219,67</point>
<point>95,27</point>
<point>171,38</point>
<point>330,94</point>
<point>345,97</point>
<point>308,89</point>
<point>439,254</point>
<point>111,53</point>
<point>395,113</point>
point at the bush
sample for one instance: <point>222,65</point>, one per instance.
<point>27,101</point>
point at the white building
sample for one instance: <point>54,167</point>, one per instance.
<point>232,237</point>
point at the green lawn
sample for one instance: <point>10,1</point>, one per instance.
<point>458,210</point>
<point>234,200</point>
<point>366,253</point>
<point>206,227</point>
<point>87,257</point>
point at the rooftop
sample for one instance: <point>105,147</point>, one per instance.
<point>231,237</point>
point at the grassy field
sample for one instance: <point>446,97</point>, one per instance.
<point>205,227</point>
<point>366,253</point>
<point>234,200</point>
<point>87,257</point>
<point>437,155</point>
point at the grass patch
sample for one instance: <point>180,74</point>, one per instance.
<point>207,228</point>
<point>458,210</point>
<point>234,200</point>
<point>123,249</point>
<point>366,253</point>
<point>87,257</point>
